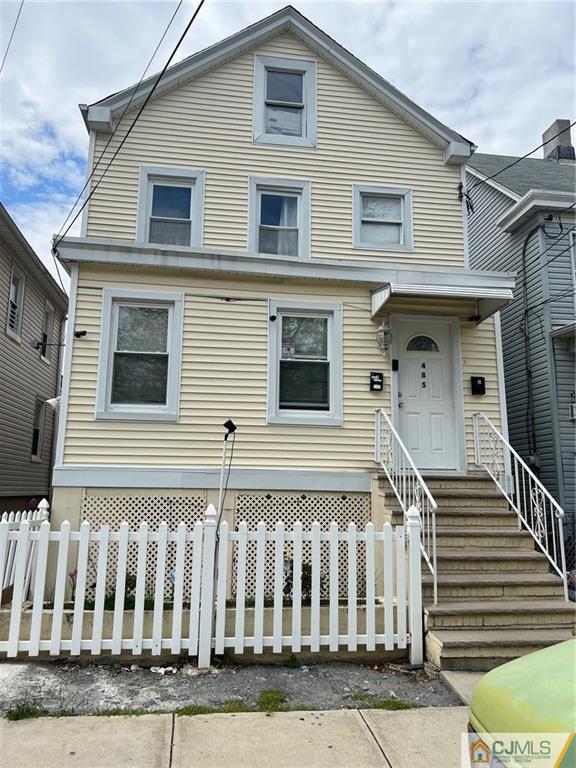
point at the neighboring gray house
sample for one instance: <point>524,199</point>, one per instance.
<point>524,220</point>
<point>32,314</point>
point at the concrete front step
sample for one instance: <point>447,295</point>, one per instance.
<point>469,585</point>
<point>467,516</point>
<point>496,614</point>
<point>470,497</point>
<point>484,537</point>
<point>484,649</point>
<point>492,560</point>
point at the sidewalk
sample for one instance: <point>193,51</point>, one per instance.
<point>417,738</point>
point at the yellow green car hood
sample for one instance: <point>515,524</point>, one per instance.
<point>535,693</point>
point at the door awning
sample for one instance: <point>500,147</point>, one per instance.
<point>488,300</point>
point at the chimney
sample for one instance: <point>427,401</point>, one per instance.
<point>557,143</point>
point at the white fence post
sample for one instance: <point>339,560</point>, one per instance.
<point>43,510</point>
<point>207,589</point>
<point>414,527</point>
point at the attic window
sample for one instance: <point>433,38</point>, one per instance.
<point>285,101</point>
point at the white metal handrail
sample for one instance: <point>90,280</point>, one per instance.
<point>408,485</point>
<point>538,512</point>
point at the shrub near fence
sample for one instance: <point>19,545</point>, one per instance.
<point>195,614</point>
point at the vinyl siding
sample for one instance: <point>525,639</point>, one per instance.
<point>224,375</point>
<point>491,248</point>
<point>23,378</point>
<point>206,124</point>
<point>565,365</point>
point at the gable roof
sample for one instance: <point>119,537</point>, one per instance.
<point>101,115</point>
<point>530,173</point>
<point>18,247</point>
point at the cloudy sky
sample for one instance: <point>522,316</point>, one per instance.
<point>497,72</point>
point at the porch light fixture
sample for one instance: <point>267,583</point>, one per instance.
<point>383,338</point>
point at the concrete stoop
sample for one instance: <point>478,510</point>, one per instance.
<point>497,599</point>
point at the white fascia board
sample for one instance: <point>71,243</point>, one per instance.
<point>492,183</point>
<point>564,330</point>
<point>257,479</point>
<point>490,299</point>
<point>129,253</point>
<point>456,148</point>
<point>535,200</point>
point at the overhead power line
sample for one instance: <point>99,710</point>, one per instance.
<point>119,122</point>
<point>11,36</point>
<point>58,239</point>
<point>558,254</point>
<point>519,159</point>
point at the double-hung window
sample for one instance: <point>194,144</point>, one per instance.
<point>47,332</point>
<point>139,371</point>
<point>285,101</point>
<point>15,303</point>
<point>170,206</point>
<point>304,374</point>
<point>382,218</point>
<point>279,217</point>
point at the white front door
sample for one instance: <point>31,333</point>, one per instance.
<point>425,399</point>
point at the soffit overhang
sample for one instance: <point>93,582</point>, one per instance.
<point>492,290</point>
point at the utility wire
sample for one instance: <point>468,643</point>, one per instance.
<point>11,36</point>
<point>558,254</point>
<point>510,165</point>
<point>58,239</point>
<point>556,297</point>
<point>119,122</point>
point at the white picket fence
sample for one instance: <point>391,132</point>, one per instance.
<point>12,522</point>
<point>200,616</point>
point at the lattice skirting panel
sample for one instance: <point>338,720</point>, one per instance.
<point>113,510</point>
<point>323,508</point>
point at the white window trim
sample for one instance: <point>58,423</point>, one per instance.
<point>46,358</point>
<point>37,457</point>
<point>150,174</point>
<point>273,184</point>
<point>333,417</point>
<point>405,194</point>
<point>16,335</point>
<point>168,412</point>
<point>305,67</point>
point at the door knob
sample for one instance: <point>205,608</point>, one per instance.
<point>400,405</point>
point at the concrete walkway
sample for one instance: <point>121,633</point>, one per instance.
<point>417,738</point>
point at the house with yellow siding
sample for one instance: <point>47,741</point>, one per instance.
<point>275,206</point>
<point>280,241</point>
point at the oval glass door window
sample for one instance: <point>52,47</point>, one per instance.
<point>422,344</point>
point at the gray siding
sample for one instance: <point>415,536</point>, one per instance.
<point>491,248</point>
<point>23,378</point>
<point>552,366</point>
<point>565,363</point>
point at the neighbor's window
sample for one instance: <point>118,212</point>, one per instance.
<point>139,376</point>
<point>47,332</point>
<point>170,207</point>
<point>305,364</point>
<point>281,217</point>
<point>15,303</point>
<point>285,101</point>
<point>38,430</point>
<point>382,218</point>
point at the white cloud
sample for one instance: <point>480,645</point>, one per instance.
<point>498,72</point>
